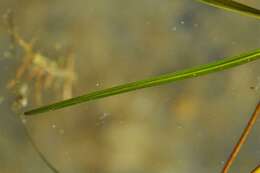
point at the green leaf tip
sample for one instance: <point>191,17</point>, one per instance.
<point>155,81</point>
<point>234,6</point>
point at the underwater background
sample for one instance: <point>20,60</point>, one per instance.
<point>187,126</point>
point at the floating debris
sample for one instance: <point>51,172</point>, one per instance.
<point>257,86</point>
<point>21,99</point>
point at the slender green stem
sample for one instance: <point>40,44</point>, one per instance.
<point>234,6</point>
<point>193,72</point>
<point>180,75</point>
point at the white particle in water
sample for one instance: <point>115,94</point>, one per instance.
<point>24,121</point>
<point>58,46</point>
<point>61,131</point>
<point>100,123</point>
<point>97,84</point>
<point>53,126</point>
<point>182,22</point>
<point>104,115</point>
<point>174,28</point>
<point>23,102</point>
<point>67,154</point>
<point>147,22</point>
<point>195,25</point>
<point>179,126</point>
<point>257,84</point>
<point>7,54</point>
<point>233,42</point>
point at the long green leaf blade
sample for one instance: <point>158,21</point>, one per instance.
<point>234,6</point>
<point>180,75</point>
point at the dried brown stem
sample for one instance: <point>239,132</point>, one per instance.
<point>242,139</point>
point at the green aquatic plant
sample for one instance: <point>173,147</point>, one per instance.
<point>220,65</point>
<point>159,80</point>
<point>234,6</point>
<point>167,78</point>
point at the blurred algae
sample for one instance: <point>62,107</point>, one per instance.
<point>33,66</point>
<point>46,72</point>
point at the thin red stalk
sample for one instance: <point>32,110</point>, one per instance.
<point>242,139</point>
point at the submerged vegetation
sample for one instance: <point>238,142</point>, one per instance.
<point>47,72</point>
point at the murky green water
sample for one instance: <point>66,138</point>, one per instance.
<point>189,126</point>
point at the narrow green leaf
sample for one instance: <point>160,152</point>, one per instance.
<point>180,75</point>
<point>234,6</point>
